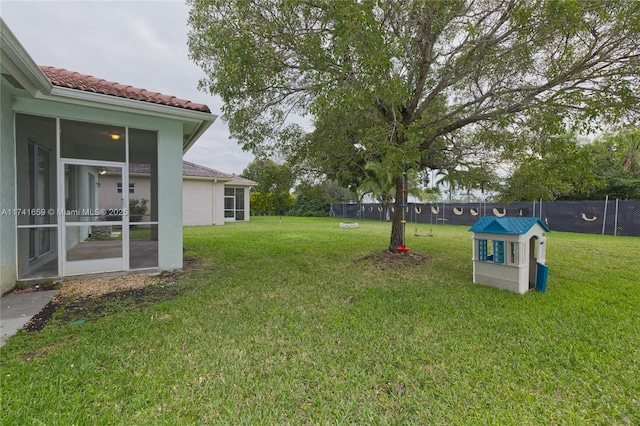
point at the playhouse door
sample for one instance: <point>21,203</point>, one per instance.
<point>533,259</point>
<point>93,233</point>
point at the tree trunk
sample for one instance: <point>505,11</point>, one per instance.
<point>396,220</point>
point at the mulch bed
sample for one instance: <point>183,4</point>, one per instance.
<point>38,322</point>
<point>93,298</point>
<point>395,261</point>
<point>91,307</point>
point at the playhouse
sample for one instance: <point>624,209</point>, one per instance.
<point>509,253</point>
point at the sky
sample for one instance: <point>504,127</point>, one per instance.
<point>137,43</point>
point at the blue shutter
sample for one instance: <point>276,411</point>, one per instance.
<point>482,250</point>
<point>498,251</point>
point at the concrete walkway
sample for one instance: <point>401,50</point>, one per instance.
<point>16,309</point>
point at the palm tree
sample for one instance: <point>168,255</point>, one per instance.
<point>380,183</point>
<point>479,177</point>
<point>449,179</point>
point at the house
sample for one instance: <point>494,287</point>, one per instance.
<point>510,253</point>
<point>58,130</point>
<point>209,196</point>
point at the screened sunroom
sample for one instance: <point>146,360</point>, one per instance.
<point>61,133</point>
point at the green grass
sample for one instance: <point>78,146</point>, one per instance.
<point>284,321</point>
<point>136,233</point>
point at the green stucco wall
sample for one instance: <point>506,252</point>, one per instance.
<point>169,133</point>
<point>7,194</point>
<point>170,196</point>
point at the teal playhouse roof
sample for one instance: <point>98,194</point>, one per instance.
<point>507,225</point>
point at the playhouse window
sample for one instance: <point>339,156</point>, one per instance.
<point>491,251</point>
<point>514,257</point>
<point>485,250</point>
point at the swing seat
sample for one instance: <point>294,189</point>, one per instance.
<point>348,224</point>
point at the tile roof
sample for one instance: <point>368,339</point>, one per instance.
<point>196,170</point>
<point>192,170</point>
<point>239,180</point>
<point>507,225</point>
<point>74,80</point>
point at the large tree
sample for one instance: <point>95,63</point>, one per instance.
<point>413,84</point>
<point>270,176</point>
<point>617,166</point>
<point>556,169</point>
<point>565,169</point>
<point>272,193</point>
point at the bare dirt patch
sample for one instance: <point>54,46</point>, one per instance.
<point>42,352</point>
<point>394,261</point>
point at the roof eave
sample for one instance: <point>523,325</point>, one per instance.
<point>244,184</point>
<point>24,66</point>
<point>505,231</point>
<point>217,179</point>
<point>187,144</point>
<point>79,97</point>
<point>129,105</point>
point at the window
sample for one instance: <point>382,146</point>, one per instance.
<point>132,188</point>
<point>514,257</point>
<point>239,204</point>
<point>234,204</point>
<point>491,251</point>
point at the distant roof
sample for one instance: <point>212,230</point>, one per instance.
<point>196,170</point>
<point>192,170</point>
<point>507,225</point>
<point>74,80</point>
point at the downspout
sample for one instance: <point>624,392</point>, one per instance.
<point>213,207</point>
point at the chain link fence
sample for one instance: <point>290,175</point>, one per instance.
<point>610,217</point>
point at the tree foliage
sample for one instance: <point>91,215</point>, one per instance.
<point>481,177</point>
<point>555,169</point>
<point>380,184</point>
<point>338,193</point>
<point>311,201</point>
<point>413,84</point>
<point>269,203</point>
<point>272,194</point>
<point>616,158</point>
<point>270,176</point>
<point>564,169</point>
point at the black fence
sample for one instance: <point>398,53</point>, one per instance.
<point>611,217</point>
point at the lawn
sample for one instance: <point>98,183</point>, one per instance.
<point>297,321</point>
